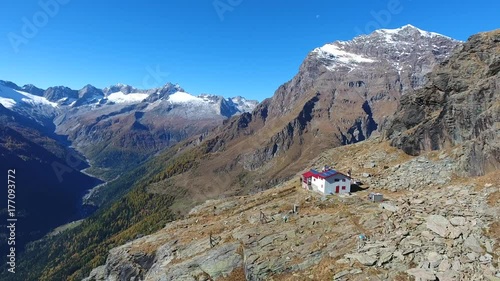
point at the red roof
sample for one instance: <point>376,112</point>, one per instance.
<point>308,174</point>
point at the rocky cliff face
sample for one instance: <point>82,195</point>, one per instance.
<point>459,105</point>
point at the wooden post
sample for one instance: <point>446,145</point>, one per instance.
<point>214,241</point>
<point>263,218</point>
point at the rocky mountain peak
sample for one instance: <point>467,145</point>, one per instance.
<point>171,88</point>
<point>243,104</point>
<point>9,84</point>
<point>124,88</point>
<point>88,88</point>
<point>88,95</point>
<point>57,93</point>
<point>359,82</point>
<point>32,89</point>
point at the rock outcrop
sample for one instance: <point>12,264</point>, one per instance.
<point>459,105</point>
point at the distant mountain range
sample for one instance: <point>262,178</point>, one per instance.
<point>119,126</point>
<point>14,97</point>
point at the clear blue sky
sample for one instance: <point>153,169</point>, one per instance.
<point>246,47</point>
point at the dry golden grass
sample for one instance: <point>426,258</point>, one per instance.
<point>493,231</point>
<point>323,270</point>
<point>494,198</point>
<point>402,277</point>
<point>235,275</point>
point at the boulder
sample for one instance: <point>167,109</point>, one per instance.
<point>340,274</point>
<point>363,259</point>
<point>434,259</point>
<point>456,221</point>
<point>385,257</point>
<point>473,244</point>
<point>454,232</point>
<point>438,224</point>
<point>369,165</point>
<point>444,265</point>
<point>421,274</point>
<point>448,275</point>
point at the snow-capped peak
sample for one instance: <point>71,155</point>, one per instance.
<point>412,28</point>
<point>392,46</point>
<point>243,104</point>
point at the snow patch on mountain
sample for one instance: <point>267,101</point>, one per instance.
<point>8,103</point>
<point>35,100</point>
<point>11,97</point>
<point>120,97</point>
<point>332,51</point>
<point>336,56</point>
<point>183,97</point>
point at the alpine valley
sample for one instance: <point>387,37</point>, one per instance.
<point>198,187</point>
